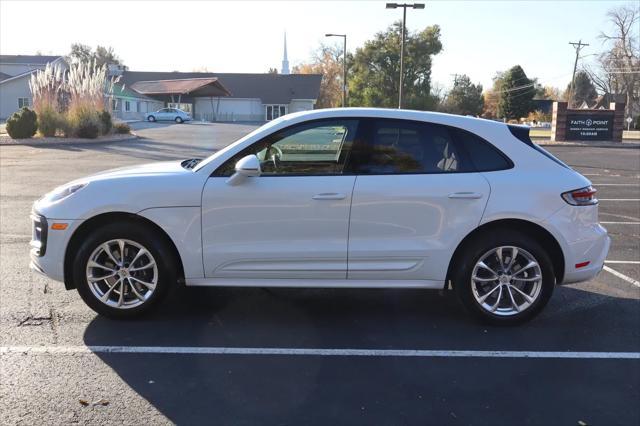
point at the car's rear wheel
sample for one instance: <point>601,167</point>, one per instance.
<point>151,119</point>
<point>122,270</point>
<point>178,120</point>
<point>505,277</point>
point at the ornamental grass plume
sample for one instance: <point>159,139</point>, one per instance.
<point>47,91</point>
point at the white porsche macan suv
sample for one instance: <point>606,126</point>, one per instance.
<point>366,198</point>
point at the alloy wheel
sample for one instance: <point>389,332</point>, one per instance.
<point>506,280</point>
<point>122,273</point>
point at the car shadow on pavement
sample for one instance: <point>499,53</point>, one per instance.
<point>249,389</point>
<point>141,148</point>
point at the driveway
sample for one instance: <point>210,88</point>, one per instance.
<point>310,356</point>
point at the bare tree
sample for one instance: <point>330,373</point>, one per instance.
<point>617,69</point>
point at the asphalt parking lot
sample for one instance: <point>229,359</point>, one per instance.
<point>293,356</point>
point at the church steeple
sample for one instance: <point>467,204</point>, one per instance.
<point>285,61</point>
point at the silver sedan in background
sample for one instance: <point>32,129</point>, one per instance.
<point>168,114</point>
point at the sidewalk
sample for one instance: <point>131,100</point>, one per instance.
<point>626,143</point>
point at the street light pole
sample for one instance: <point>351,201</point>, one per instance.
<point>344,67</point>
<point>404,7</point>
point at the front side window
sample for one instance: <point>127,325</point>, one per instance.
<point>401,147</point>
<point>312,149</point>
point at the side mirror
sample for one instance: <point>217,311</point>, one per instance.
<point>248,166</point>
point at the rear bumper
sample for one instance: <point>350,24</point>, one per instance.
<point>582,239</point>
<point>596,249</point>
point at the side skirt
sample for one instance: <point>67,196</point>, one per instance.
<point>314,283</point>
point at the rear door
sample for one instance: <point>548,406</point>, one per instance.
<point>416,196</point>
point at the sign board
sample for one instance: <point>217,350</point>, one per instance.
<point>589,127</point>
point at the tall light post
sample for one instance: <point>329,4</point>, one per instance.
<point>404,7</point>
<point>344,66</point>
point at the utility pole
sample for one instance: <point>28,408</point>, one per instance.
<point>578,46</point>
<point>344,67</point>
<point>404,7</point>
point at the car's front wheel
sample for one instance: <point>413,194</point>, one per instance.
<point>122,270</point>
<point>504,277</point>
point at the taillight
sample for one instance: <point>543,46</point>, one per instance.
<point>581,197</point>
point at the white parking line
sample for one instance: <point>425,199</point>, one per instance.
<point>619,199</point>
<point>620,223</point>
<point>615,184</point>
<point>622,276</point>
<point>214,350</point>
<point>630,262</point>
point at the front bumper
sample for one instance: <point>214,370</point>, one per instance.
<point>47,254</point>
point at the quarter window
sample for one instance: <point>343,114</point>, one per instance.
<point>312,149</point>
<point>484,156</point>
<point>399,147</point>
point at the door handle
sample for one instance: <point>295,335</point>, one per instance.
<point>466,195</point>
<point>329,196</point>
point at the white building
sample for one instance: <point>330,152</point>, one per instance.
<point>15,71</point>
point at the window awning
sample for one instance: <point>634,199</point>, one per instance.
<point>195,86</point>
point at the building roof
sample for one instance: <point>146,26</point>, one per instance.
<point>181,86</point>
<point>270,88</point>
<point>27,59</point>
<point>122,91</point>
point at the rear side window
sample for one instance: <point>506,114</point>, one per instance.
<point>484,156</point>
<point>405,147</point>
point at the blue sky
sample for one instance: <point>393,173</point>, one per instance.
<point>479,37</point>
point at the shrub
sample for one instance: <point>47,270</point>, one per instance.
<point>49,121</point>
<point>83,123</point>
<point>22,124</point>
<point>107,123</point>
<point>122,128</point>
<point>637,122</point>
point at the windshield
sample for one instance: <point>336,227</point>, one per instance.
<point>239,141</point>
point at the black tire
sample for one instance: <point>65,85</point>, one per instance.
<point>167,268</point>
<point>472,252</point>
<point>179,120</point>
<point>151,119</point>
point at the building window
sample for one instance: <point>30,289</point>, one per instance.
<point>274,111</point>
<point>114,104</point>
<point>24,102</point>
<point>127,106</point>
<point>188,108</point>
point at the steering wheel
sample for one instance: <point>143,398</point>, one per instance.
<point>276,155</point>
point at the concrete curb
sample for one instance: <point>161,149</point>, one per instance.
<point>623,145</point>
<point>44,142</point>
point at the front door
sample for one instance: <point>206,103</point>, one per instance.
<point>416,196</point>
<point>293,220</point>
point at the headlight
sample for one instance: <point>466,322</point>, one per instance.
<point>63,192</point>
